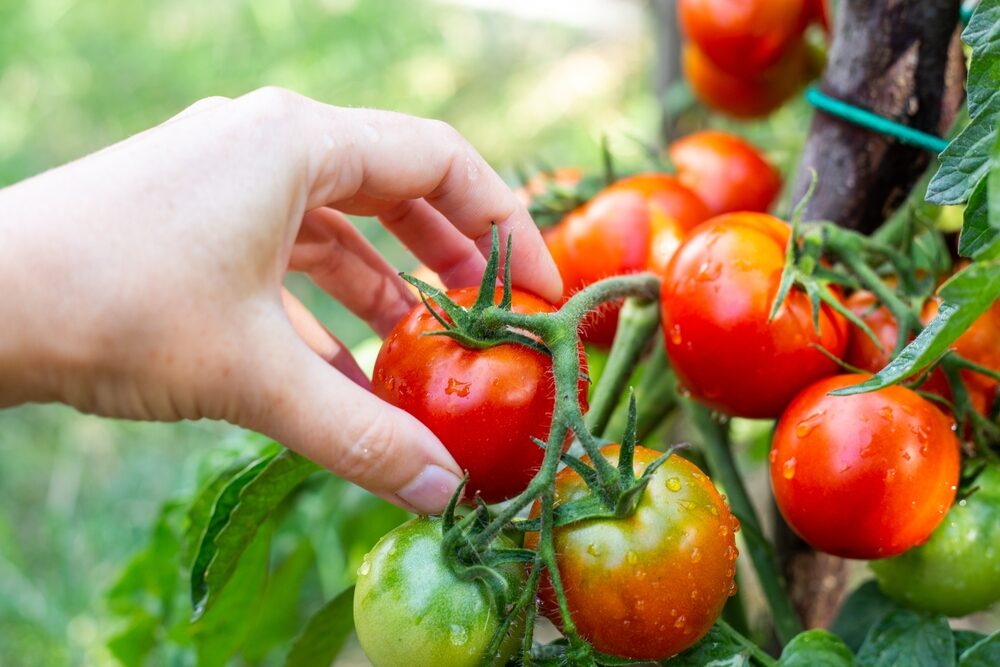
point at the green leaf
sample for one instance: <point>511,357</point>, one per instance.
<point>816,648</point>
<point>905,637</point>
<point>716,649</point>
<point>243,505</point>
<point>964,163</point>
<point>200,512</point>
<point>136,641</point>
<point>860,612</point>
<point>965,639</point>
<point>983,35</point>
<point>979,238</point>
<point>984,653</point>
<point>325,633</point>
<point>965,297</point>
<point>148,583</point>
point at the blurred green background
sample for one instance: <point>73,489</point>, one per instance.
<point>524,81</point>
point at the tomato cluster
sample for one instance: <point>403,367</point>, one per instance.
<point>746,59</point>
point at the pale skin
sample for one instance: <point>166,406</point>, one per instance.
<point>145,281</point>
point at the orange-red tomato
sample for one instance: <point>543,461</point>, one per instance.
<point>727,172</point>
<point>863,476</point>
<point>747,96</point>
<point>977,344</point>
<point>715,304</point>
<point>484,404</point>
<point>633,225</point>
<point>651,585</point>
<point>743,37</point>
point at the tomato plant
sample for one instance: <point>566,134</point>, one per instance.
<point>406,578</point>
<point>633,225</point>
<point>957,571</point>
<point>716,300</point>
<point>651,585</point>
<point>863,476</point>
<point>727,172</point>
<point>485,405</point>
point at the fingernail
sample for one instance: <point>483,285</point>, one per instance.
<point>430,491</point>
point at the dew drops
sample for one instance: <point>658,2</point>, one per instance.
<point>675,334</point>
<point>807,424</point>
<point>365,568</point>
<point>708,271</point>
<point>713,510</point>
<point>593,550</point>
<point>631,557</point>
<point>773,456</point>
<point>885,412</point>
<point>459,636</point>
<point>724,531</point>
<point>680,622</point>
<point>695,555</point>
<point>788,468</point>
<point>694,593</point>
<point>674,484</point>
<point>733,588</point>
<point>907,409</point>
<point>457,388</point>
<point>890,475</point>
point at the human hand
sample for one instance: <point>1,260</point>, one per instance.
<point>145,281</point>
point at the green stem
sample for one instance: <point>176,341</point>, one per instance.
<point>655,396</point>
<point>723,468</point>
<point>756,651</point>
<point>637,323</point>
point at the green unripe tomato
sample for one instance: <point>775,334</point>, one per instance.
<point>411,610</point>
<point>957,571</point>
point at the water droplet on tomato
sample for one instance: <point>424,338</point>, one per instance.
<point>593,550</point>
<point>713,510</point>
<point>694,593</point>
<point>673,484</point>
<point>695,555</point>
<point>679,623</point>
<point>773,456</point>
<point>907,409</point>
<point>788,468</point>
<point>890,474</point>
<point>687,504</point>
<point>709,271</point>
<point>885,412</point>
<point>631,557</point>
<point>807,424</point>
<point>724,531</point>
<point>733,588</point>
<point>365,568</point>
<point>457,388</point>
<point>459,636</point>
<point>675,334</point>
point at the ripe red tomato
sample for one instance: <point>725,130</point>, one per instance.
<point>651,585</point>
<point>631,226</point>
<point>743,37</point>
<point>485,405</point>
<point>863,476</point>
<point>715,301</point>
<point>726,172</point>
<point>978,344</point>
<point>747,96</point>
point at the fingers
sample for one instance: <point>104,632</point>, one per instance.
<point>204,104</point>
<point>342,262</point>
<point>321,341</point>
<point>361,154</point>
<point>295,397</point>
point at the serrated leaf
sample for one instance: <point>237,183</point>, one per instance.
<point>964,163</point>
<point>325,633</point>
<point>905,637</point>
<point>243,506</point>
<point>816,648</point>
<point>983,36</point>
<point>860,612</point>
<point>716,649</point>
<point>978,236</point>
<point>984,653</point>
<point>965,296</point>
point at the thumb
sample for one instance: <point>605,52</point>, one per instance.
<point>298,399</point>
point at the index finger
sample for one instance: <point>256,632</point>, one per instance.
<point>362,154</point>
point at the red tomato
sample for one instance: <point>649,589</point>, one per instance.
<point>715,302</point>
<point>977,344</point>
<point>743,37</point>
<point>863,476</point>
<point>484,405</point>
<point>631,226</point>
<point>649,586</point>
<point>747,96</point>
<point>728,173</point>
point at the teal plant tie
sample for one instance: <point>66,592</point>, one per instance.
<point>965,13</point>
<point>874,122</point>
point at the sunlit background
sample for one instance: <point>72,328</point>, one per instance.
<point>527,81</point>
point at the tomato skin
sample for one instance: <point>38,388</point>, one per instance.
<point>957,571</point>
<point>484,405</point>
<point>746,97</point>
<point>631,226</point>
<point>726,172</point>
<point>863,476</point>
<point>978,344</point>
<point>411,609</point>
<point>715,305</point>
<point>651,585</point>
<point>743,37</point>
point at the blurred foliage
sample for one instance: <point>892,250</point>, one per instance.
<point>78,494</point>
